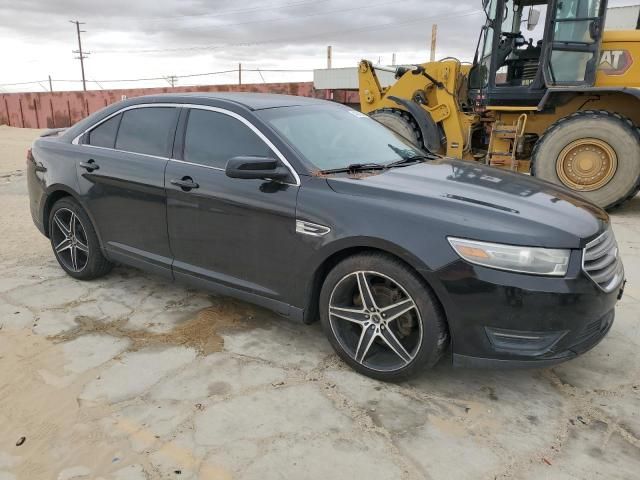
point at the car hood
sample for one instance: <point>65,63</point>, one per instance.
<point>483,203</point>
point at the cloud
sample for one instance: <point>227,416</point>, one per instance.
<point>142,38</point>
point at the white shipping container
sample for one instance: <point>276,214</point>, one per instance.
<point>345,78</point>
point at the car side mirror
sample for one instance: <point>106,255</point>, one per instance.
<point>256,168</point>
<point>533,18</point>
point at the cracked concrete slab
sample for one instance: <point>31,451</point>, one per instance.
<point>268,413</point>
<point>133,373</point>
<point>132,377</point>
<point>217,375</point>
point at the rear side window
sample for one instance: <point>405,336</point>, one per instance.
<point>104,135</point>
<point>147,130</point>
<point>213,138</point>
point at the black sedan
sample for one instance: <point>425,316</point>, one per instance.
<point>312,209</point>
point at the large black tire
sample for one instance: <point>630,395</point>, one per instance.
<point>422,331</point>
<point>400,122</point>
<point>616,131</point>
<point>88,265</point>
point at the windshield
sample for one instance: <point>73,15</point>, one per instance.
<point>334,136</point>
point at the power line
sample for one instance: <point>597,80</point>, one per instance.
<point>296,38</point>
<point>164,78</point>
<point>15,84</point>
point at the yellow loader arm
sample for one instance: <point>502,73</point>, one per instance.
<point>429,92</point>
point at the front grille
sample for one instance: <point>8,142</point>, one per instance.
<point>602,263</point>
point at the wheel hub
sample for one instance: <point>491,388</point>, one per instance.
<point>587,164</point>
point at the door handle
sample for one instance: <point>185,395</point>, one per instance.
<point>89,165</point>
<point>185,183</point>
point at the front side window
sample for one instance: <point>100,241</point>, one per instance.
<point>147,130</point>
<point>334,136</point>
<point>104,135</point>
<point>212,138</point>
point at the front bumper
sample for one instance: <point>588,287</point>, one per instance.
<point>504,319</point>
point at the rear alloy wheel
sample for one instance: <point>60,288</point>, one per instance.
<point>69,240</point>
<point>74,241</point>
<point>381,318</point>
<point>594,153</point>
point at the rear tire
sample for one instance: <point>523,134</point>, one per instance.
<point>400,122</point>
<point>74,241</point>
<point>609,136</point>
<point>397,331</point>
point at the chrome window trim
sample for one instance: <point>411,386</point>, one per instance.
<point>125,151</point>
<point>251,126</point>
<point>210,167</point>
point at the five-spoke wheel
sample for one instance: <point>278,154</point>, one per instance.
<point>70,240</point>
<point>375,320</point>
<point>381,318</point>
<point>74,241</point>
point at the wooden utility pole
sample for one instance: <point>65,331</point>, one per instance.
<point>172,80</point>
<point>393,59</point>
<point>329,56</point>
<point>50,84</point>
<point>434,34</point>
<point>239,74</point>
<point>81,55</point>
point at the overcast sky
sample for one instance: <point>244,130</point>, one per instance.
<point>131,39</point>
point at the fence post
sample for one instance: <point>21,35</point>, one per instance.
<point>35,109</point>
<point>6,109</point>
<point>21,113</point>
<point>53,117</point>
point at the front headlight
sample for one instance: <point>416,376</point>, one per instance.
<point>537,261</point>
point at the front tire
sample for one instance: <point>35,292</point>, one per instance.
<point>400,122</point>
<point>74,241</point>
<point>594,153</point>
<point>381,318</point>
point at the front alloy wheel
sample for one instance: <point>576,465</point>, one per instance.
<point>375,320</point>
<point>381,318</point>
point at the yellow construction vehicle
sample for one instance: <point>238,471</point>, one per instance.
<point>564,108</point>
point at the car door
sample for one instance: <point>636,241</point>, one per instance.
<point>229,233</point>
<point>121,180</point>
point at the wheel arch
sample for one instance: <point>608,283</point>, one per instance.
<point>314,285</point>
<point>56,192</point>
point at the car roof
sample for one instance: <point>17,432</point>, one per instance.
<point>250,100</point>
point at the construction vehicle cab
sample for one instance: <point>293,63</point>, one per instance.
<point>511,69</point>
<point>548,93</point>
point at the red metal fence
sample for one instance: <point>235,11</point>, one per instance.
<point>63,109</point>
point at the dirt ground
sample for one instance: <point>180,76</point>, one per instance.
<point>130,377</point>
